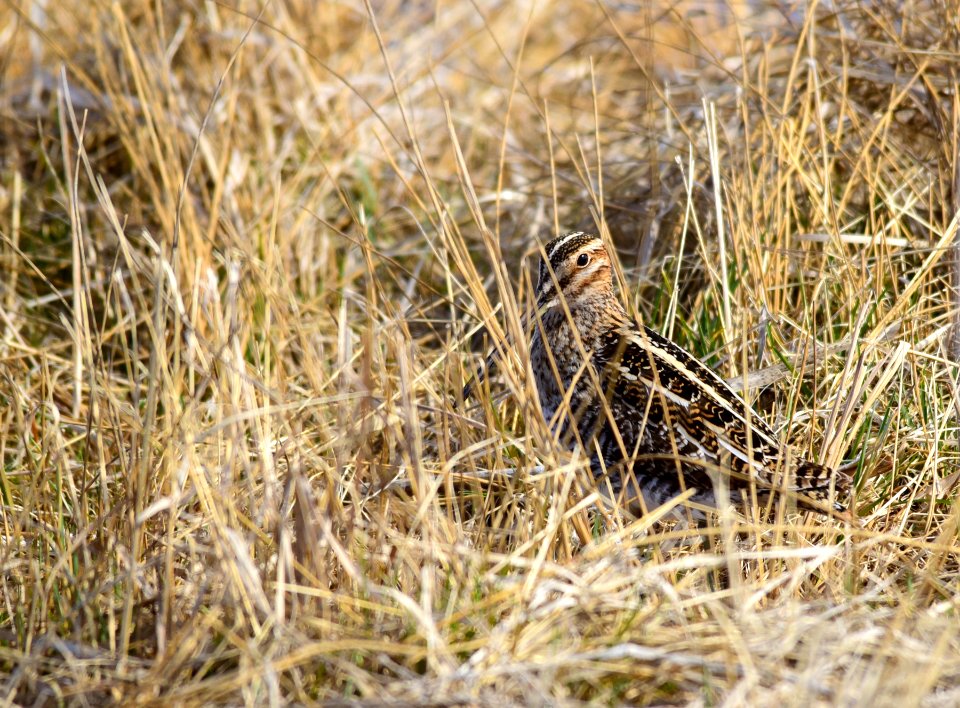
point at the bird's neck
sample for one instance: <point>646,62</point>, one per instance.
<point>590,317</point>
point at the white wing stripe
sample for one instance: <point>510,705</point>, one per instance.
<point>647,344</point>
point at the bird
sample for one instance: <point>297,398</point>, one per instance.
<point>654,420</point>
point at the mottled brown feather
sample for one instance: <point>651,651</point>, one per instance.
<point>677,420</point>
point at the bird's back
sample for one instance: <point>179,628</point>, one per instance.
<point>657,422</point>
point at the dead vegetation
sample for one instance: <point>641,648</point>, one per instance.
<point>251,253</point>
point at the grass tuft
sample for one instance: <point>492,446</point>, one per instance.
<point>252,253</point>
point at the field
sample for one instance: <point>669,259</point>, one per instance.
<point>251,253</point>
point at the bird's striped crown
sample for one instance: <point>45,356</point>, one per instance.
<point>575,264</point>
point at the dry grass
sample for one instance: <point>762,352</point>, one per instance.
<point>252,252</point>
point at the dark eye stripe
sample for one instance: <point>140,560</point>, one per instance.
<point>561,248</point>
<point>558,251</point>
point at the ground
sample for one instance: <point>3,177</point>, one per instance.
<point>251,252</point>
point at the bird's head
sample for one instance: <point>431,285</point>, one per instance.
<point>576,269</point>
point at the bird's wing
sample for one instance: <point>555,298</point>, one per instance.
<point>694,403</point>
<point>706,418</point>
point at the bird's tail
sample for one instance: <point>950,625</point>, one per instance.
<point>814,480</point>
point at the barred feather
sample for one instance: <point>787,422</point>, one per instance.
<point>654,419</point>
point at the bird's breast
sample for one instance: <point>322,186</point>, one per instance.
<point>558,349</point>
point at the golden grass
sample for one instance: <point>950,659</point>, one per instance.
<point>252,252</point>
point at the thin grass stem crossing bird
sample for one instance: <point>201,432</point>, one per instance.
<point>654,420</point>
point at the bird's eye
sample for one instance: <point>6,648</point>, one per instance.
<point>582,260</point>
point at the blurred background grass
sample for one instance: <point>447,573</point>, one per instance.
<point>251,252</point>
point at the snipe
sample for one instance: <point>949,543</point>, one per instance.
<point>654,420</point>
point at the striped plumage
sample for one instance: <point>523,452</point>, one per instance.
<point>668,423</point>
